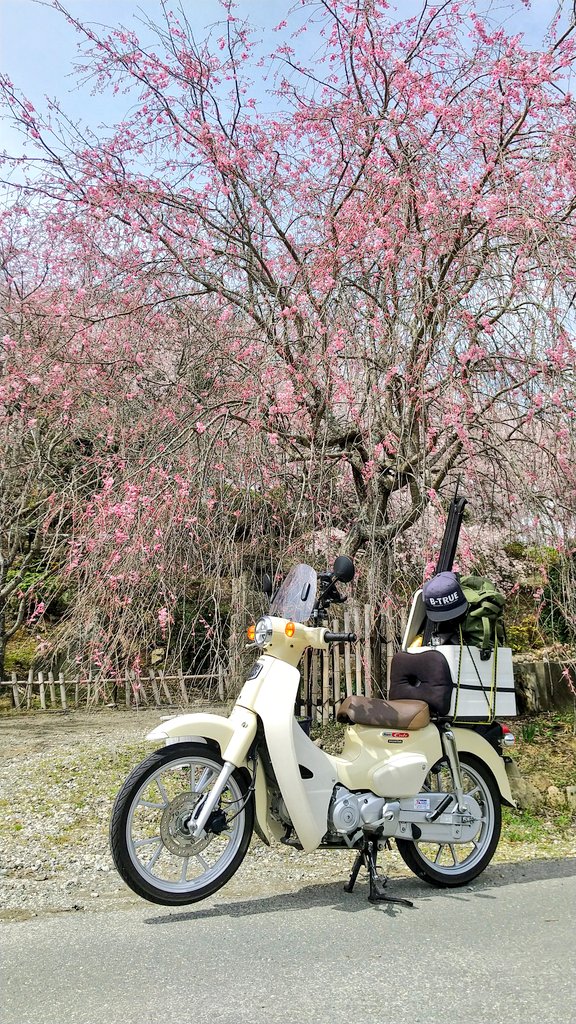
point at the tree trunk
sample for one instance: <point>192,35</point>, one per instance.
<point>2,643</point>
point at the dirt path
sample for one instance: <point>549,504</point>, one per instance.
<point>42,731</point>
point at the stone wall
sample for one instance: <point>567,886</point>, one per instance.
<point>543,686</point>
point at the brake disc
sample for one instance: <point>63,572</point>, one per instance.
<point>173,827</point>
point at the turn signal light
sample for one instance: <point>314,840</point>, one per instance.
<point>290,629</point>
<point>251,632</point>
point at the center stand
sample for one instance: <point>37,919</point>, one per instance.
<point>367,857</point>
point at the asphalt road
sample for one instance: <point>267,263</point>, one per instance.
<point>496,952</point>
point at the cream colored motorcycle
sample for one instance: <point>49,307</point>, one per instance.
<point>183,820</point>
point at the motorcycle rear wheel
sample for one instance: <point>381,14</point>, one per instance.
<point>447,865</point>
<point>151,847</point>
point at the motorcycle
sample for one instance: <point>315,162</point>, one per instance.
<point>183,820</point>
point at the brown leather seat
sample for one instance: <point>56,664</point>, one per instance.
<point>393,714</point>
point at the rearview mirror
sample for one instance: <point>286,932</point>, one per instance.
<point>267,585</point>
<point>344,569</point>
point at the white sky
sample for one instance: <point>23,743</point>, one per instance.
<point>38,47</point>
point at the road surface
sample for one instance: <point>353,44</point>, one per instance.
<point>501,951</point>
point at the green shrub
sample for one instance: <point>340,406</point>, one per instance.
<point>524,634</point>
<point>515,549</point>
<point>543,554</point>
<point>20,653</point>
<point>557,616</point>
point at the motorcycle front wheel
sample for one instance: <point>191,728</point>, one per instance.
<point>151,846</point>
<point>450,864</point>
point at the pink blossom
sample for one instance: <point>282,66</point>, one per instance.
<point>37,611</point>
<point>164,619</point>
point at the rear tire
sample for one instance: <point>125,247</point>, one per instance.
<point>151,847</point>
<point>447,865</point>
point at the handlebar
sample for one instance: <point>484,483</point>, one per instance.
<point>335,638</point>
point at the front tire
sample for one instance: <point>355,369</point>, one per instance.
<point>151,847</point>
<point>447,865</point>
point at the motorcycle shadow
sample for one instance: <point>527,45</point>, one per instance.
<point>334,896</point>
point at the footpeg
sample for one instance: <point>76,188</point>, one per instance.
<point>291,840</point>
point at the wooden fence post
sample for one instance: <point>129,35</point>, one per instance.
<point>154,686</point>
<point>358,651</point>
<point>62,690</point>
<point>165,687</point>
<point>314,687</point>
<point>389,648</point>
<point>304,700</point>
<point>138,689</point>
<point>182,685</point>
<point>325,686</point>
<point>378,686</point>
<point>52,689</point>
<point>347,657</point>
<point>367,650</point>
<point>42,691</point>
<point>15,693</point>
<point>336,670</point>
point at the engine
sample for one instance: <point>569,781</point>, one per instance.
<point>349,812</point>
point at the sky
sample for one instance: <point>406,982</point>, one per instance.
<point>38,48</point>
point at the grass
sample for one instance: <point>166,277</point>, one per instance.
<point>545,753</point>
<point>61,799</point>
<point>545,749</point>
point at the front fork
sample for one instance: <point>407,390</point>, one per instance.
<point>197,822</point>
<point>451,751</point>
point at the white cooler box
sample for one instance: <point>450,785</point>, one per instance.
<point>482,689</point>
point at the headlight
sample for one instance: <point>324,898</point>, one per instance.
<point>263,631</point>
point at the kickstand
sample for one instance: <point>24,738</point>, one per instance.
<point>367,857</point>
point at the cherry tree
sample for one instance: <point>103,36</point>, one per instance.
<point>39,457</point>
<point>344,301</point>
<point>104,450</point>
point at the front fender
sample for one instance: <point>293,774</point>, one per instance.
<point>470,741</point>
<point>195,728</point>
<point>206,728</point>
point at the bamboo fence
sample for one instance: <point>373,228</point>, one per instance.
<point>327,677</point>
<point>45,691</point>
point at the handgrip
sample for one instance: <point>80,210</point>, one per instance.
<point>334,638</point>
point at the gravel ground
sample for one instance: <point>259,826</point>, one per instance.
<point>59,773</point>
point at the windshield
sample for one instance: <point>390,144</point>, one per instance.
<point>295,598</point>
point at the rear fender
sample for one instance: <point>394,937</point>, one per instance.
<point>215,730</point>
<point>471,743</point>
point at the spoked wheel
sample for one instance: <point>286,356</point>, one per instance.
<point>149,839</point>
<point>452,864</point>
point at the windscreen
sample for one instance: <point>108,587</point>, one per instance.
<point>295,598</point>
